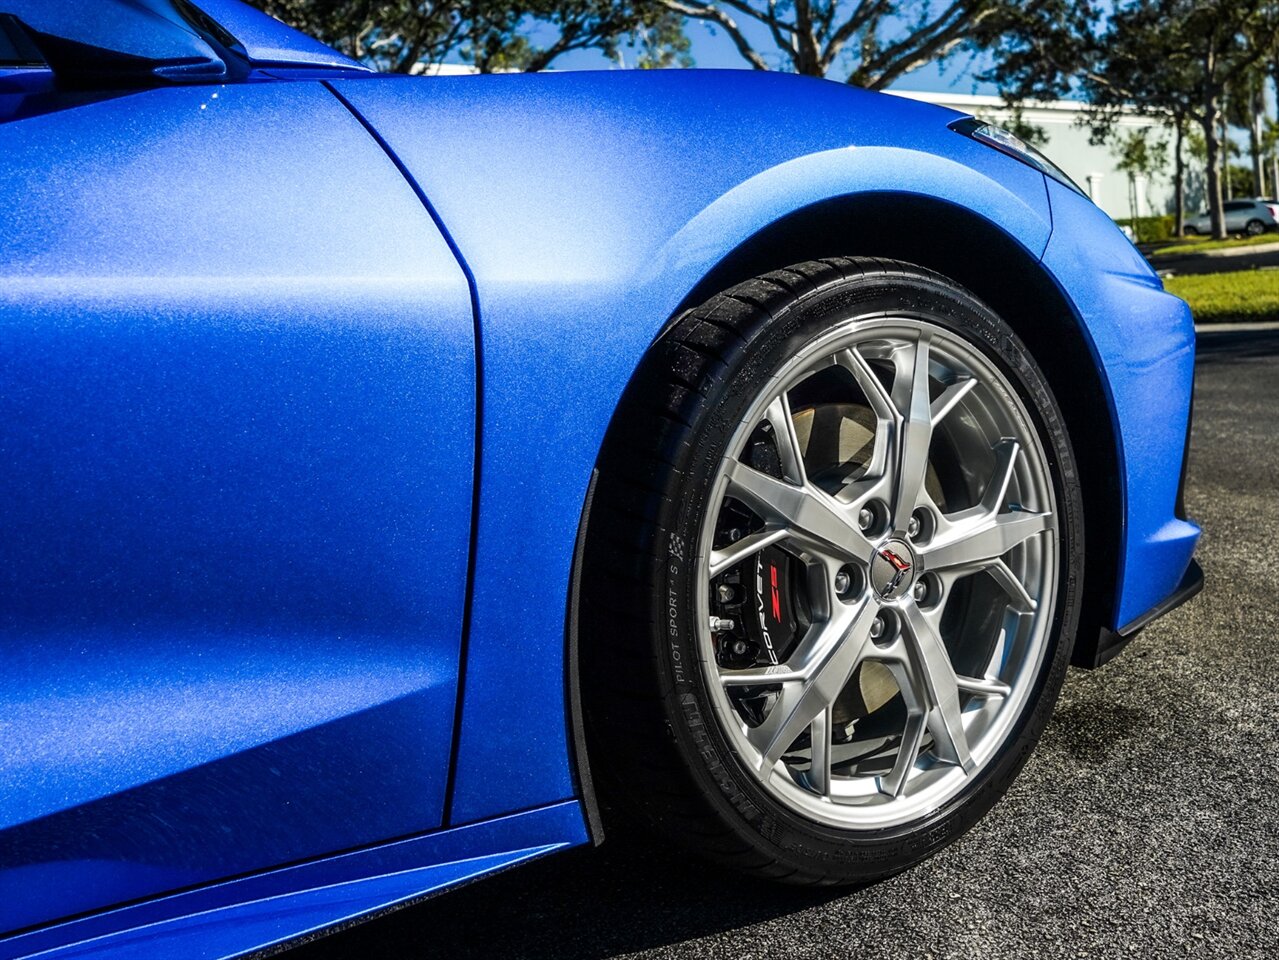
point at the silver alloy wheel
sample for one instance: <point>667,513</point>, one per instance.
<point>930,550</point>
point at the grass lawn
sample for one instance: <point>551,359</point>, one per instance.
<point>1198,245</point>
<point>1222,297</point>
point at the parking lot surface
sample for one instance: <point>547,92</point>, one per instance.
<point>1146,824</point>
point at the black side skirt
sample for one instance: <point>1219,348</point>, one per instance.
<point>1112,641</point>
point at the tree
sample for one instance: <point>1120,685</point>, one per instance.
<point>1196,173</point>
<point>1068,48</point>
<point>604,25</point>
<point>1134,70</point>
<point>1213,45</point>
<point>1270,149</point>
<point>1169,59</point>
<point>1246,108</point>
<point>1143,156</point>
<point>870,42</point>
<point>390,35</point>
<point>1272,68</point>
<point>407,36</point>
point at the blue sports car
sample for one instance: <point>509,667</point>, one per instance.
<point>397,472</point>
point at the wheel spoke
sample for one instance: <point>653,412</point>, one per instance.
<point>979,544</point>
<point>877,396</point>
<point>747,546</point>
<point>761,676</point>
<point>872,476</point>
<point>936,685</point>
<point>774,500</point>
<point>983,687</point>
<point>822,668</point>
<point>819,770</point>
<point>894,782</point>
<point>977,537</point>
<point>996,493</point>
<point>914,434</point>
<point>950,397</point>
<point>805,511</point>
<point>1021,600</point>
<point>779,417</point>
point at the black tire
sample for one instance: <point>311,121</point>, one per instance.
<point>1254,228</point>
<point>659,754</point>
<point>1191,231</point>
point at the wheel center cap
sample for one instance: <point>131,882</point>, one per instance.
<point>892,569</point>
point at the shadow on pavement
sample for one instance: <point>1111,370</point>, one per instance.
<point>572,906</point>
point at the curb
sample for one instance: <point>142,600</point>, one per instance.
<point>1250,326</point>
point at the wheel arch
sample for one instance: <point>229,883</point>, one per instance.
<point>962,245</point>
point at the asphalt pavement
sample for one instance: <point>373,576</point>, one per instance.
<point>1143,826</point>
<point>1240,258</point>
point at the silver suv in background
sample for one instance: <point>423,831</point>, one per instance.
<point>1249,217</point>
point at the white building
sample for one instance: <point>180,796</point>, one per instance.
<point>1090,166</point>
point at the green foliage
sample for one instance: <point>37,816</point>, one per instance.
<point>1198,149</point>
<point>1151,229</point>
<point>1270,136</point>
<point>1040,49</point>
<point>406,36</point>
<point>1242,295</point>
<point>392,35</point>
<point>1141,153</point>
<point>1237,181</point>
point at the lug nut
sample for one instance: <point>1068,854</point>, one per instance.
<point>920,591</point>
<point>877,628</point>
<point>865,518</point>
<point>721,624</point>
<point>724,592</point>
<point>912,528</point>
<point>842,582</point>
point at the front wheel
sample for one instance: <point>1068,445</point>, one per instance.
<point>833,572</point>
<point>1254,228</point>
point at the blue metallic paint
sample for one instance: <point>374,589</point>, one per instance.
<point>266,41</point>
<point>227,919</point>
<point>236,424</point>
<point>236,414</point>
<point>1144,340</point>
<point>150,31</point>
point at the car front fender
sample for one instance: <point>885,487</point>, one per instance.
<point>586,208</point>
